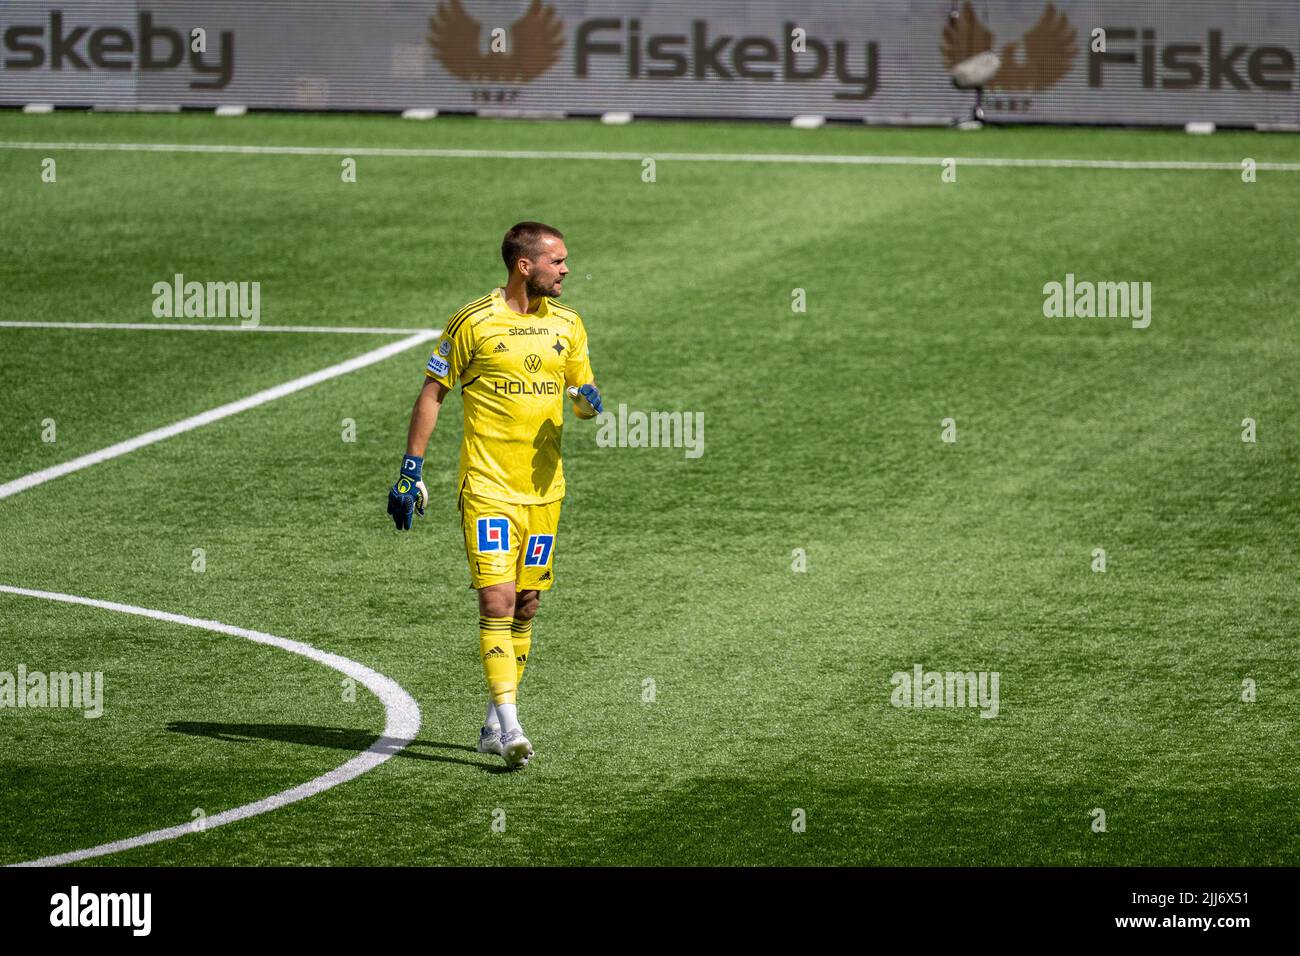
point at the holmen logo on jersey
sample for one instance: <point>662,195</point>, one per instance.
<point>508,387</point>
<point>531,45</point>
<point>79,46</point>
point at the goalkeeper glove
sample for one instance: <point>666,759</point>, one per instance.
<point>586,401</point>
<point>408,494</point>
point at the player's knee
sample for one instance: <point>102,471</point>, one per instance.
<point>497,601</point>
<point>526,605</point>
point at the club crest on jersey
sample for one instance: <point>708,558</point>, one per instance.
<point>538,552</point>
<point>493,535</point>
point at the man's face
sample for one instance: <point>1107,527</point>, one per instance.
<point>547,270</point>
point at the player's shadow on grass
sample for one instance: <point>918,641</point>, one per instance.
<point>338,738</point>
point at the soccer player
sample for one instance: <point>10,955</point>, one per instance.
<point>516,351</point>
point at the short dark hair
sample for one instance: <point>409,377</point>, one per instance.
<point>524,241</point>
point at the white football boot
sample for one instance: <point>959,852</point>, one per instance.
<point>516,749</point>
<point>489,740</point>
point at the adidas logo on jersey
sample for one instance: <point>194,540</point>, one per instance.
<point>501,347</point>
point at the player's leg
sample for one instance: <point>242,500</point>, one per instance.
<point>536,525</point>
<point>536,563</point>
<point>497,605</point>
<point>492,721</point>
<point>521,637</point>
<point>491,543</point>
<point>521,629</point>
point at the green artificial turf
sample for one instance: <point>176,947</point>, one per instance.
<point>1119,690</point>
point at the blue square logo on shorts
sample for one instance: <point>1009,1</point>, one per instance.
<point>493,535</point>
<point>538,552</point>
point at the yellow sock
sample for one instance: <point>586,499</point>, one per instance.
<point>497,652</point>
<point>521,633</point>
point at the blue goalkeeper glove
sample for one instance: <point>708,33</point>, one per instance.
<point>408,494</point>
<point>586,400</point>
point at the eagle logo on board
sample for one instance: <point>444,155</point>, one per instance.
<point>533,44</point>
<point>1037,61</point>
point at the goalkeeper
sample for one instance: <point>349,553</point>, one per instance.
<point>516,352</point>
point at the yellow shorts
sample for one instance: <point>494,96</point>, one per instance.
<point>509,542</point>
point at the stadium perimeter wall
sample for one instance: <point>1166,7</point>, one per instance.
<point>1164,63</point>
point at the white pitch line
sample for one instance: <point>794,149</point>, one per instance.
<point>213,415</point>
<point>171,327</point>
<point>401,724</point>
<point>815,158</point>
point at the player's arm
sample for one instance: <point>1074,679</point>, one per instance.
<point>579,380</point>
<point>408,494</point>
<point>424,417</point>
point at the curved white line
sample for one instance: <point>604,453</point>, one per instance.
<point>401,724</point>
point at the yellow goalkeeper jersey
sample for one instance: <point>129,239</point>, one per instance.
<point>513,369</point>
